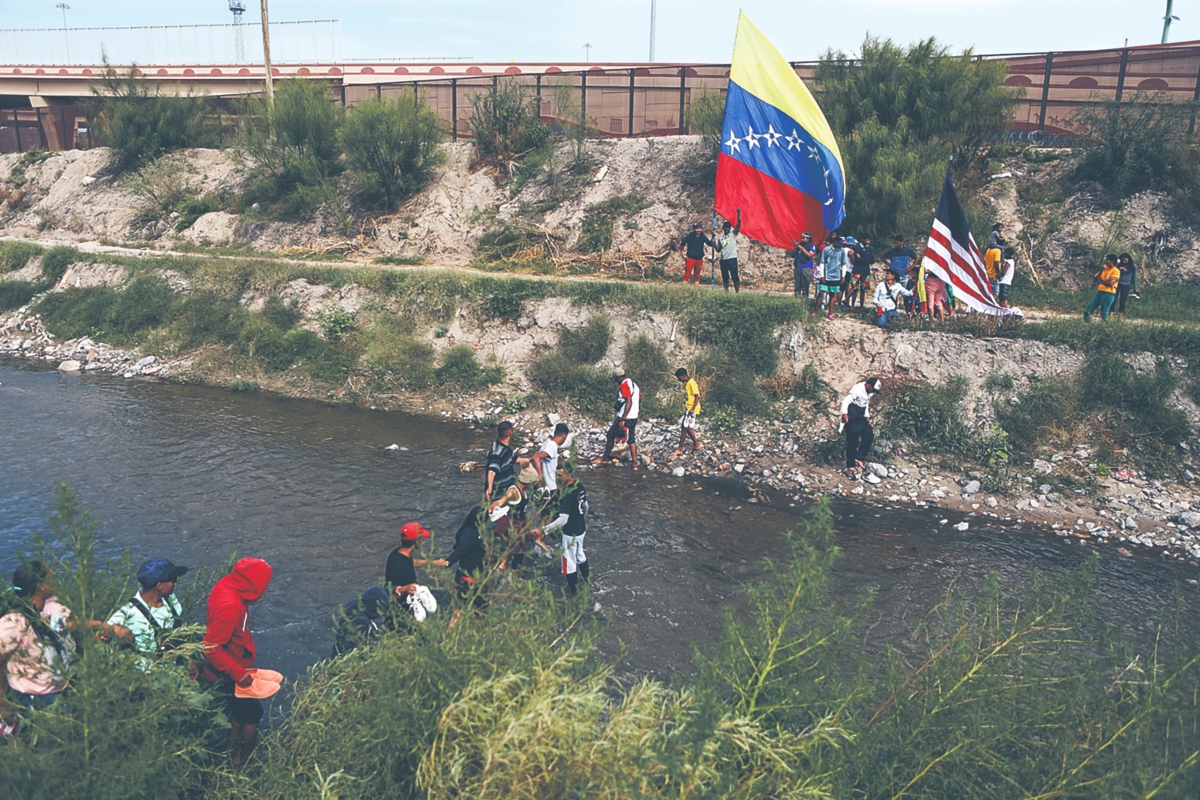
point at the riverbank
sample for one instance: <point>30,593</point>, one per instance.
<point>785,450</point>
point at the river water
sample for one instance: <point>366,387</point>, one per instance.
<point>195,474</point>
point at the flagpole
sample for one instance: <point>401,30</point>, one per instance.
<point>713,263</point>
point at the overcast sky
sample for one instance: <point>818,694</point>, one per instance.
<point>688,30</point>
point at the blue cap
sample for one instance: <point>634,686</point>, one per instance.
<point>159,570</point>
<point>850,240</point>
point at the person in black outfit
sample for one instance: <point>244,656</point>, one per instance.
<point>400,573</point>
<point>361,620</point>
<point>856,417</point>
<point>501,462</point>
<point>469,553</point>
<point>572,522</point>
<point>693,252</point>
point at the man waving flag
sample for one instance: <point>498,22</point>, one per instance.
<point>953,256</point>
<point>779,162</point>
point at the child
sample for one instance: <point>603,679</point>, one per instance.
<point>691,408</point>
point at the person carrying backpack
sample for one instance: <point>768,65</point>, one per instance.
<point>148,619</point>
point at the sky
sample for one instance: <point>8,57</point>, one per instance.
<point>687,30</point>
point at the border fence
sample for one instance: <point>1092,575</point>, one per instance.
<point>654,99</point>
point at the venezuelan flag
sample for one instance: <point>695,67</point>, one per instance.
<point>779,162</point>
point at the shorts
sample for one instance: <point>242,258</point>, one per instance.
<point>614,432</point>
<point>242,710</point>
<point>688,420</point>
<point>572,553</point>
<point>831,288</point>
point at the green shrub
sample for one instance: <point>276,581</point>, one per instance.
<point>1049,409</point>
<point>394,357</point>
<point>391,146</point>
<point>596,230</point>
<point>14,255</point>
<point>193,208</point>
<point>280,314</point>
<point>78,312</point>
<point>293,149</point>
<point>163,186</point>
<point>145,303</point>
<point>589,388</point>
<point>587,345</point>
<point>206,317</point>
<point>14,294</point>
<point>742,328</point>
<point>335,320</point>
<point>55,263</point>
<point>401,261</point>
<point>646,363</point>
<point>930,416</point>
<point>730,385</point>
<point>140,124</point>
<point>460,368</point>
<point>506,123</point>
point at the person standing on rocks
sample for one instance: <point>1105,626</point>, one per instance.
<point>693,252</point>
<point>501,462</point>
<point>1007,273</point>
<point>727,244</point>
<point>856,419</point>
<point>802,264</point>
<point>628,406</point>
<point>1106,289</point>
<point>545,460</point>
<point>691,409</point>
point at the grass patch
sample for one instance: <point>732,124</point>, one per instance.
<point>460,368</point>
<point>14,255</point>
<point>930,416</point>
<point>646,362</point>
<point>588,344</point>
<point>596,230</point>
<point>401,261</point>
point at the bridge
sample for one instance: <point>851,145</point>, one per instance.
<point>43,104</point>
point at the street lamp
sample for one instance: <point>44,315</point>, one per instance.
<point>653,15</point>
<point>66,41</point>
<point>587,50</point>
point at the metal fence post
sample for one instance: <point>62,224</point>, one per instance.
<point>379,91</point>
<point>583,100</point>
<point>454,108</point>
<point>1195,100</point>
<point>1121,74</point>
<point>632,74</point>
<point>41,130</point>
<point>17,128</point>
<point>682,94</point>
<point>62,118</point>
<point>1045,92</point>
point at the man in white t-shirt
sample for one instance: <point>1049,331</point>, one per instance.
<point>545,460</point>
<point>150,616</point>
<point>1008,270</point>
<point>624,427</point>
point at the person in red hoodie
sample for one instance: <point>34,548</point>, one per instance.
<point>229,649</point>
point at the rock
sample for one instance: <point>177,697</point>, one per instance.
<point>145,362</point>
<point>87,180</point>
<point>972,487</point>
<point>392,447</point>
<point>1189,518</point>
<point>553,419</point>
<point>991,502</point>
<point>27,344</point>
<point>962,526</point>
<point>679,472</point>
<point>871,477</point>
<point>766,473</point>
<point>1023,505</point>
<point>1044,467</point>
<point>1045,488</point>
<point>738,468</point>
<point>1083,452</point>
<point>878,469</point>
<point>70,365</point>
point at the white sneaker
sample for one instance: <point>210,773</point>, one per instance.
<point>425,598</point>
<point>417,609</point>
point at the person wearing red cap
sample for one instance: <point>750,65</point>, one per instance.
<point>230,651</point>
<point>401,572</point>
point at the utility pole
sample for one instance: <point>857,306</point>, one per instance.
<point>266,31</point>
<point>66,39</point>
<point>1167,21</point>
<point>587,50</point>
<point>653,16</point>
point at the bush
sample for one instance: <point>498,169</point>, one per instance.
<point>898,114</point>
<point>1049,409</point>
<point>506,123</point>
<point>589,388</point>
<point>55,263</point>
<point>280,314</point>
<point>930,416</point>
<point>1138,144</point>
<point>293,148</point>
<point>206,317</point>
<point>163,185</point>
<point>597,227</point>
<point>394,357</point>
<point>728,384</point>
<point>391,146</point>
<point>460,368</point>
<point>14,294</point>
<point>646,363</point>
<point>14,255</point>
<point>335,320</point>
<point>139,124</point>
<point>1140,414</point>
<point>587,345</point>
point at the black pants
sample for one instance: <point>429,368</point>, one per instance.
<point>1122,296</point>
<point>729,269</point>
<point>859,438</point>
<point>803,281</point>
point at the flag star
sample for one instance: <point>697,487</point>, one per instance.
<point>734,143</point>
<point>793,140</point>
<point>751,138</point>
<point>772,136</point>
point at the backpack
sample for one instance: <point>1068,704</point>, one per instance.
<point>176,621</point>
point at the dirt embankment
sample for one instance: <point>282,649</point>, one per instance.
<point>71,197</point>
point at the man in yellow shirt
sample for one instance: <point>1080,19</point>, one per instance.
<point>1106,289</point>
<point>691,408</point>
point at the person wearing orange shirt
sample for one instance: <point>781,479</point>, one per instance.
<point>1106,289</point>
